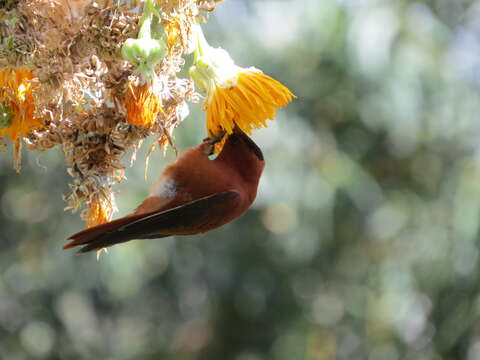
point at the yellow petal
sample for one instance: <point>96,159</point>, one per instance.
<point>246,101</point>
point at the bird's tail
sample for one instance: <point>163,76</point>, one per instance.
<point>194,217</point>
<point>100,236</point>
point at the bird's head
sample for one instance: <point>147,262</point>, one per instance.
<point>242,154</point>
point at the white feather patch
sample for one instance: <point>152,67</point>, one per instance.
<point>164,187</point>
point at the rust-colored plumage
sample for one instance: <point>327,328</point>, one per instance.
<point>192,195</point>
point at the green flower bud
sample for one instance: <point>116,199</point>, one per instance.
<point>198,76</point>
<point>146,52</point>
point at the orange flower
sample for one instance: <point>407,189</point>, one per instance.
<point>142,104</point>
<point>16,87</point>
<point>99,211</point>
<point>17,107</point>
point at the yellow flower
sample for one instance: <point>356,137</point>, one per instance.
<point>236,96</point>
<point>143,103</point>
<point>16,87</point>
<point>248,102</point>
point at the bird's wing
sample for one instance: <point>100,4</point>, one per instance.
<point>197,216</point>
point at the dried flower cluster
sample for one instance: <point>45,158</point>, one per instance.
<point>65,57</point>
<point>97,77</point>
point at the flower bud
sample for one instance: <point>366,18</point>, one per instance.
<point>144,52</point>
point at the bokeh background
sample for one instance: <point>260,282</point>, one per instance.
<point>363,242</point>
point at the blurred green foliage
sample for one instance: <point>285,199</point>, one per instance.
<point>363,241</point>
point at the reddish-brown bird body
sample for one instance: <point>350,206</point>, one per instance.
<point>192,195</point>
